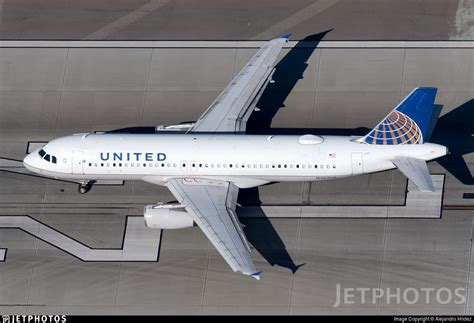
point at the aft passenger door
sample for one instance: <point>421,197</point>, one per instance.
<point>77,162</point>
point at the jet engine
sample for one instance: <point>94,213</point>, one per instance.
<point>167,216</point>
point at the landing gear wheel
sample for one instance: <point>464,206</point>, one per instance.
<point>84,187</point>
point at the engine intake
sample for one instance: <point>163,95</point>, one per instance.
<point>167,216</point>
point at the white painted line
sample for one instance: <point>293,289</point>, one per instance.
<point>139,244</point>
<point>229,44</point>
<point>3,253</point>
<point>32,146</point>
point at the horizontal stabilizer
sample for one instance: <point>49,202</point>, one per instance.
<point>416,171</point>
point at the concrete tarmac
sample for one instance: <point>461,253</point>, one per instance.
<point>50,92</point>
<point>241,20</point>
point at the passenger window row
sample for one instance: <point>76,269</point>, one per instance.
<point>211,165</point>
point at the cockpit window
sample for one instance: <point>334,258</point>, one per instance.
<point>47,157</point>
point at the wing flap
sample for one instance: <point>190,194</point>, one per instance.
<point>212,206</point>
<point>416,171</point>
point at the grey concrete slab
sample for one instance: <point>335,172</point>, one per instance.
<point>225,288</point>
<point>38,110</point>
<point>65,192</point>
<point>59,279</point>
<point>358,309</point>
<point>451,233</point>
<point>431,253</point>
<point>146,193</point>
<point>423,310</point>
<point>15,275</point>
<point>442,69</point>
<point>178,278</point>
<point>21,189</point>
<point>275,251</point>
<point>327,235</point>
<point>153,309</point>
<point>273,194</point>
<point>38,70</point>
<point>171,107</point>
<point>345,252</point>
<point>374,70</point>
<point>107,69</point>
<point>324,270</point>
<point>13,310</point>
<point>245,310</point>
<point>416,270</point>
<point>177,19</point>
<point>186,239</point>
<point>205,69</point>
<point>69,310</point>
<point>402,20</point>
<point>105,111</point>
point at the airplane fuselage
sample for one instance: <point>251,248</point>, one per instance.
<point>245,160</point>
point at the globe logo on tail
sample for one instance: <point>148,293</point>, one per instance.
<point>396,129</point>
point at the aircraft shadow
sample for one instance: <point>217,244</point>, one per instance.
<point>454,130</point>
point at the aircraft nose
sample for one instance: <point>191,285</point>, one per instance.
<point>30,162</point>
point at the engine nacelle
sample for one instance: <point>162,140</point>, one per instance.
<point>167,216</point>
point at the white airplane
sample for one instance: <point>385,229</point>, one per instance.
<point>205,166</point>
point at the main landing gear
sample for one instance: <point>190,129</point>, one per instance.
<point>84,187</point>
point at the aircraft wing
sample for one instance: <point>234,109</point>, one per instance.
<point>417,171</point>
<point>232,108</point>
<point>212,206</point>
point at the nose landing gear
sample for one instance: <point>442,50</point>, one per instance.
<point>84,187</point>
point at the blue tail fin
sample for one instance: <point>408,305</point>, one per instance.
<point>409,123</point>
